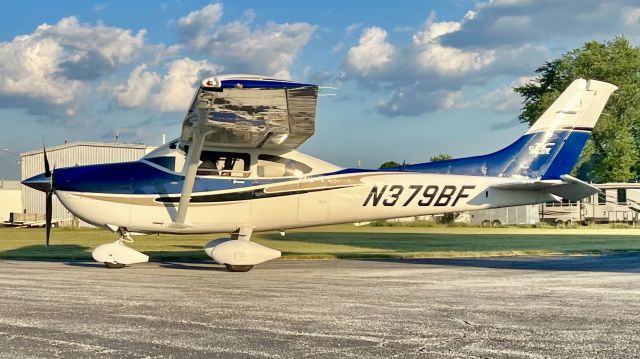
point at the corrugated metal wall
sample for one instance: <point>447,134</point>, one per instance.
<point>68,155</point>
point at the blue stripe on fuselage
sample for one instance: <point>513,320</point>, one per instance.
<point>525,157</point>
<point>140,178</point>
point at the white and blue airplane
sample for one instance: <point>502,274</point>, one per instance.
<point>235,169</point>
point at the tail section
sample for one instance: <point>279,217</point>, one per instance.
<point>549,149</point>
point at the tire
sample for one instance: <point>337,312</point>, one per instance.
<point>496,223</point>
<point>559,224</point>
<point>113,265</point>
<point>238,268</point>
<point>486,223</point>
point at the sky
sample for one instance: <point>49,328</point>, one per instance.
<point>405,80</point>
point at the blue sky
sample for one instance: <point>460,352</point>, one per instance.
<point>413,78</point>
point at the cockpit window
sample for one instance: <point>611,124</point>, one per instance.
<point>167,162</point>
<point>224,164</point>
<point>276,166</point>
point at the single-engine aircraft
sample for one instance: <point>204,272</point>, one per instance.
<point>235,169</point>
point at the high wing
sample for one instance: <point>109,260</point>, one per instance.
<point>569,187</point>
<point>248,112</point>
<point>253,112</point>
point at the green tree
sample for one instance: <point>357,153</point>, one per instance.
<point>440,157</point>
<point>612,151</point>
<point>389,164</point>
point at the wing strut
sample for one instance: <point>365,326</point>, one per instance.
<point>199,131</point>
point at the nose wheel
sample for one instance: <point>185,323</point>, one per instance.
<point>112,265</point>
<point>238,268</point>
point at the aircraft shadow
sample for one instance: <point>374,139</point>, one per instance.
<point>201,266</point>
<point>85,264</point>
<point>59,252</point>
<point>623,263</point>
<point>606,253</point>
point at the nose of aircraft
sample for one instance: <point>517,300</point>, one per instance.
<point>39,182</point>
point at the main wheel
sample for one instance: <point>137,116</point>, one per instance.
<point>111,265</point>
<point>238,268</point>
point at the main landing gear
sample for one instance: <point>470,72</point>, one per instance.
<point>238,253</point>
<point>117,254</point>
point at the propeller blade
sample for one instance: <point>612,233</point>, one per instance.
<point>47,170</point>
<point>48,214</point>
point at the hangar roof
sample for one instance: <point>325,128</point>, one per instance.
<point>90,144</point>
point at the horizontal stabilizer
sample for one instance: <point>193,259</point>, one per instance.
<point>569,187</point>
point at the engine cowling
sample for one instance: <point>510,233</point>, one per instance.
<point>239,252</point>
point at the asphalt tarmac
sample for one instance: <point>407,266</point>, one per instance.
<point>540,307</point>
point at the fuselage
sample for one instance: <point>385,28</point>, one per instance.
<point>266,190</point>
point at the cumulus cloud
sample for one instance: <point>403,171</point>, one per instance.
<point>171,92</point>
<point>269,50</point>
<point>372,52</point>
<point>427,75</point>
<point>51,65</point>
<point>408,101</point>
<point>507,38</point>
<point>195,27</point>
<point>135,91</point>
<point>501,99</point>
<point>502,22</point>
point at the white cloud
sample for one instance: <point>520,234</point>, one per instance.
<point>135,91</point>
<point>349,30</point>
<point>409,101</point>
<point>268,50</point>
<point>179,83</point>
<point>195,27</point>
<point>447,61</point>
<point>501,99</point>
<point>171,92</point>
<point>427,75</point>
<point>372,52</point>
<point>51,65</point>
<point>507,38</point>
<point>632,16</point>
<point>513,23</point>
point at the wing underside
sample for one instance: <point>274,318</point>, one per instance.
<point>245,112</point>
<point>251,113</point>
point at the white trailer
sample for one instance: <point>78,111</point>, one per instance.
<point>618,203</point>
<point>496,217</point>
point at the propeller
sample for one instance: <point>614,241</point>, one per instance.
<point>49,198</point>
<point>44,182</point>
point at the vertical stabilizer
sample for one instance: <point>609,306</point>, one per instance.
<point>549,149</point>
<point>578,107</point>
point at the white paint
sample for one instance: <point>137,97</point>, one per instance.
<point>10,199</point>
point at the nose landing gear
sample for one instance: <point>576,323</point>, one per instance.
<point>117,254</point>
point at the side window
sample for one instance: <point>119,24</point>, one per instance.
<point>167,162</point>
<point>276,166</point>
<point>622,195</point>
<point>602,197</point>
<point>224,164</point>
